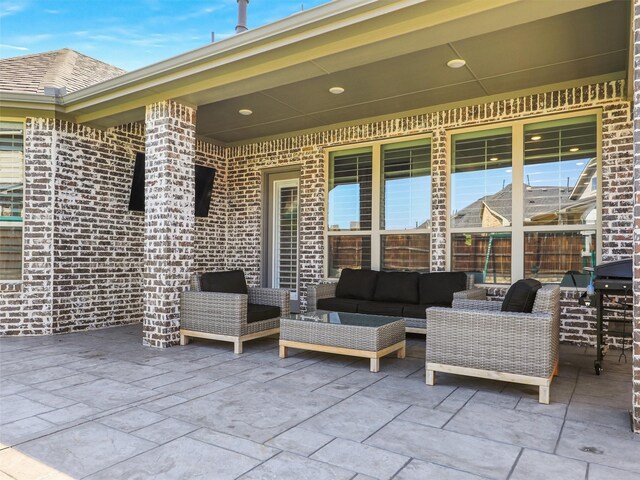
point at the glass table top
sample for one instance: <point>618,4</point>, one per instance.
<point>343,318</point>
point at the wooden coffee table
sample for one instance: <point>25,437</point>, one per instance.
<point>355,334</point>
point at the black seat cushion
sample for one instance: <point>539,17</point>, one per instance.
<point>358,284</point>
<point>400,287</point>
<point>256,313</point>
<point>414,311</point>
<point>437,288</point>
<point>381,308</point>
<point>338,304</point>
<point>521,296</point>
<point>224,282</point>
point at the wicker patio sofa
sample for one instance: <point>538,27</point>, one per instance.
<point>476,338</point>
<point>399,294</point>
<point>231,317</point>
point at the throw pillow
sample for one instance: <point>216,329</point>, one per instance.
<point>224,282</point>
<point>521,296</point>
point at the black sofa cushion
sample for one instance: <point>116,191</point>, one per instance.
<point>414,311</point>
<point>401,287</point>
<point>521,296</point>
<point>224,282</point>
<point>338,304</point>
<point>437,288</point>
<point>256,313</point>
<point>381,308</point>
<point>357,284</point>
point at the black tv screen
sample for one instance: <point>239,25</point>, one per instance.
<point>136,199</point>
<point>204,187</point>
<point>204,177</point>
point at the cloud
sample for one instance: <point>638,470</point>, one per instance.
<point>53,12</point>
<point>13,47</point>
<point>11,8</point>
<point>32,39</point>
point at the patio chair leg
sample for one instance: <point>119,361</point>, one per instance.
<point>283,351</point>
<point>237,347</point>
<point>555,370</point>
<point>375,365</point>
<point>430,377</point>
<point>184,340</point>
<point>543,395</point>
<point>402,352</point>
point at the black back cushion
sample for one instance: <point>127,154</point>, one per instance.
<point>437,288</point>
<point>358,284</point>
<point>521,295</point>
<point>224,282</point>
<point>400,287</point>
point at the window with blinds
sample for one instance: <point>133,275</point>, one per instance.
<point>350,191</point>
<point>379,207</point>
<point>525,200</point>
<point>11,199</point>
<point>286,241</point>
<point>406,186</point>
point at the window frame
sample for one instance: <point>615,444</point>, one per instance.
<point>376,178</point>
<point>23,122</point>
<point>518,229</point>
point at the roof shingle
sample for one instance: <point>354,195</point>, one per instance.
<point>58,68</point>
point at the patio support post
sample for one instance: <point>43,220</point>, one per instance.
<point>169,218</point>
<point>439,200</point>
<point>636,216</point>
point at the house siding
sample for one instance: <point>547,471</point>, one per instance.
<point>246,163</point>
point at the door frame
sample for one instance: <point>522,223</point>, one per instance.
<point>270,177</point>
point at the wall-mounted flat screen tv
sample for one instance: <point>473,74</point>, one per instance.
<point>136,199</point>
<point>204,187</point>
<point>204,177</point>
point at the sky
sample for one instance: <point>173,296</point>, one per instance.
<point>129,34</point>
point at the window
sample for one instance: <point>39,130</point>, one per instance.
<point>481,196</point>
<point>532,217</point>
<point>11,200</point>
<point>379,207</point>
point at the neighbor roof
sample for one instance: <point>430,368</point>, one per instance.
<point>58,68</point>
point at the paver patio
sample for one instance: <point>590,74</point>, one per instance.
<point>99,405</point>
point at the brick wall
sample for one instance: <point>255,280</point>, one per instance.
<point>26,307</point>
<point>169,218</point>
<point>210,238</point>
<point>307,151</point>
<point>636,215</point>
<point>98,241</point>
<point>83,248</point>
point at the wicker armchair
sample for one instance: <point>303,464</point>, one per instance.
<point>475,338</point>
<point>223,316</point>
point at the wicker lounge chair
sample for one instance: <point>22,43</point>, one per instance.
<point>476,338</point>
<point>223,316</point>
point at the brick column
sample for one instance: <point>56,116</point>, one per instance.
<point>169,218</point>
<point>439,200</point>
<point>636,217</point>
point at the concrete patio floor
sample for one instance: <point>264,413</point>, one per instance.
<point>99,405</point>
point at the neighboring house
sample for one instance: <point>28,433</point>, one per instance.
<point>264,109</point>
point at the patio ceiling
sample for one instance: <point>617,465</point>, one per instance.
<point>390,57</point>
<point>588,42</point>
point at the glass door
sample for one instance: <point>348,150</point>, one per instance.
<point>284,241</point>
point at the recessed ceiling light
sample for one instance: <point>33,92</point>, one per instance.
<point>493,159</point>
<point>579,163</point>
<point>336,90</point>
<point>536,138</point>
<point>574,149</point>
<point>245,111</point>
<point>456,63</point>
